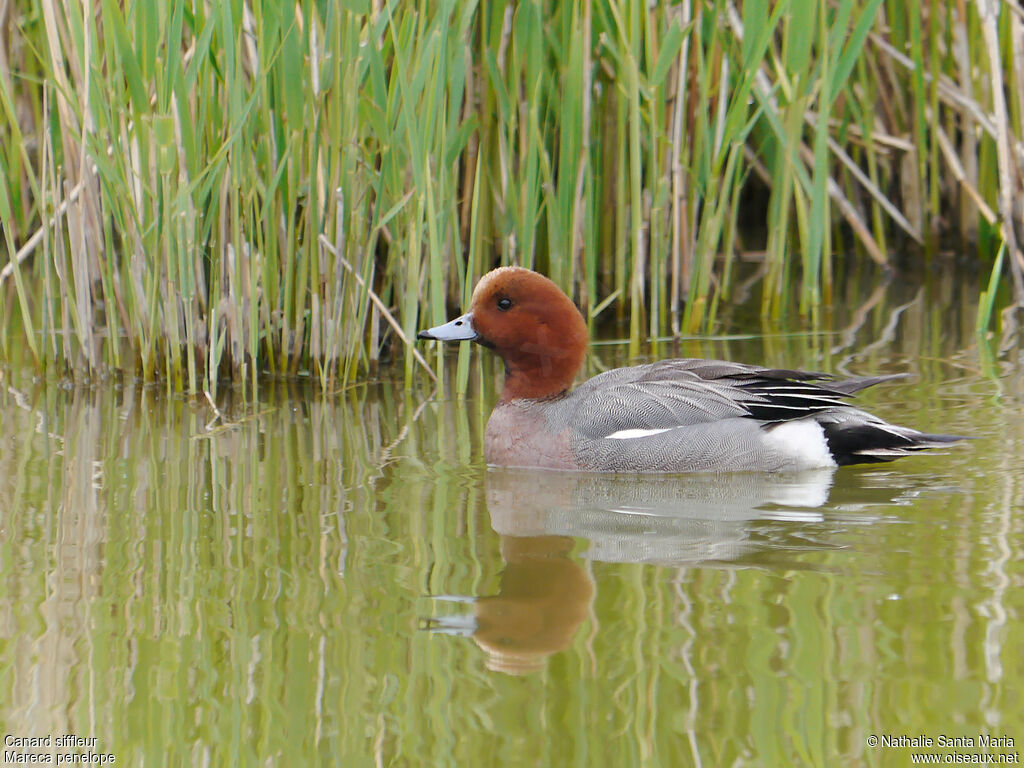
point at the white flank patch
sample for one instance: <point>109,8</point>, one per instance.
<point>804,440</point>
<point>629,434</point>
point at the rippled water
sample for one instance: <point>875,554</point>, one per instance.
<point>340,580</point>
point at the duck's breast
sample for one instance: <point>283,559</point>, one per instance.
<point>520,433</point>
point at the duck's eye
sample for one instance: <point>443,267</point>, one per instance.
<point>504,304</point>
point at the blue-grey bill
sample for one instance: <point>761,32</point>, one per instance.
<point>459,329</point>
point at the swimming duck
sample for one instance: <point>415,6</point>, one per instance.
<point>683,415</point>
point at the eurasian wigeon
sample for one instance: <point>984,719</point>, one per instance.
<point>684,415</point>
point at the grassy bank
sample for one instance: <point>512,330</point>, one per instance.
<point>195,192</point>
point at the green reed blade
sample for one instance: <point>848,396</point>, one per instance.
<point>609,144</point>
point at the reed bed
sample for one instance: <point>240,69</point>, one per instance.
<point>205,192</point>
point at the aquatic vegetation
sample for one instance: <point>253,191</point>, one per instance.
<point>198,192</point>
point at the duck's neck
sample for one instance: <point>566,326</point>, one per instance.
<point>537,377</point>
<point>519,387</point>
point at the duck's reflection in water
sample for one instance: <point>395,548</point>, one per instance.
<point>543,598</point>
<point>667,519</point>
<point>736,519</point>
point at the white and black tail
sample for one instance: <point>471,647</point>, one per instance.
<point>779,396</point>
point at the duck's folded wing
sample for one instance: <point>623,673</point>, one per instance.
<point>632,402</point>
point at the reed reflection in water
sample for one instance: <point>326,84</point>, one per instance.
<point>251,587</point>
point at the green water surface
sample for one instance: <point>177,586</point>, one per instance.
<point>339,580</point>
